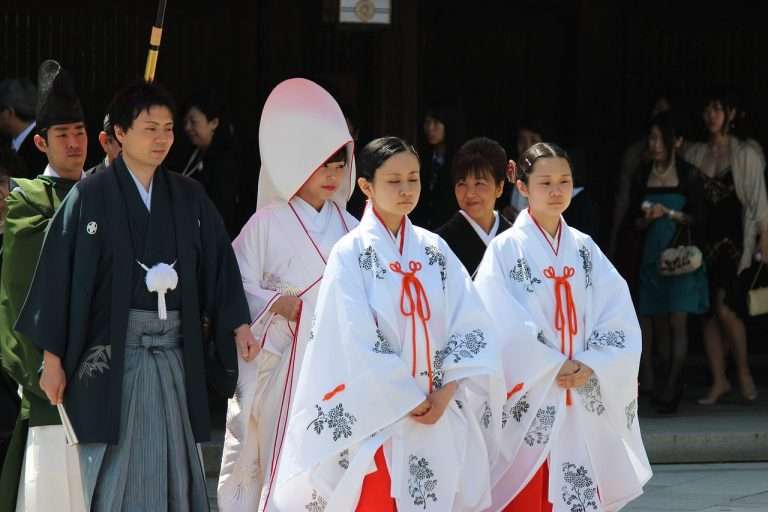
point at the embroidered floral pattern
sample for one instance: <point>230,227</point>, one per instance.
<point>96,362</point>
<point>616,339</point>
<point>382,344</point>
<point>270,282</point>
<point>422,482</point>
<point>335,419</point>
<point>344,459</point>
<point>234,428</point>
<point>317,504</point>
<point>435,256</point>
<point>631,412</point>
<point>274,283</point>
<point>248,485</point>
<point>369,260</point>
<point>458,347</point>
<point>522,274</point>
<point>438,376</point>
<point>580,493</point>
<point>486,416</point>
<point>591,396</point>
<point>516,411</point>
<point>541,428</point>
<point>520,408</point>
<point>586,264</point>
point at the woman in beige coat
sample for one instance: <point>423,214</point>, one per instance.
<point>734,188</point>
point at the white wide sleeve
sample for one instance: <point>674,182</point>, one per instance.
<point>614,342</point>
<point>250,249</point>
<point>348,387</point>
<point>526,361</point>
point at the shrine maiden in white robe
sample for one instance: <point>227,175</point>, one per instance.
<point>397,318</point>
<point>577,306</point>
<point>281,251</point>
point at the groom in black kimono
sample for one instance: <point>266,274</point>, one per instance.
<point>134,261</point>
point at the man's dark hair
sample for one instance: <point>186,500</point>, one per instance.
<point>10,164</point>
<point>136,98</point>
<point>19,94</point>
<point>480,157</point>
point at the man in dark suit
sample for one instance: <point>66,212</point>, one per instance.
<point>18,99</point>
<point>9,399</point>
<point>109,144</point>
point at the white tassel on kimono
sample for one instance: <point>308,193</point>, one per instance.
<point>161,279</point>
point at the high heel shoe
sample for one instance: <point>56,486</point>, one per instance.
<point>668,406</point>
<point>714,395</point>
<point>748,388</point>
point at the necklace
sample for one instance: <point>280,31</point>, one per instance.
<point>661,174</point>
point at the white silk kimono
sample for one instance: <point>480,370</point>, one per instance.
<point>397,317</point>
<point>281,251</point>
<point>554,299</point>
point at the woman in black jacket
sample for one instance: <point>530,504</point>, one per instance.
<point>479,173</point>
<point>443,133</point>
<point>216,160</point>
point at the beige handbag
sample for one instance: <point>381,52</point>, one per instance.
<point>757,298</point>
<point>680,259</point>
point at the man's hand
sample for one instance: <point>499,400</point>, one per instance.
<point>438,401</point>
<point>53,381</point>
<point>247,346</point>
<point>573,374</point>
<point>287,307</point>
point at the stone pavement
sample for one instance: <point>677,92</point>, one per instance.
<point>705,488</point>
<point>730,431</point>
<point>716,442</point>
<point>689,488</point>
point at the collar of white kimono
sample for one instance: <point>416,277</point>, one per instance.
<point>320,219</point>
<point>373,222</point>
<point>485,237</point>
<point>566,320</point>
<point>414,303</point>
<point>51,172</point>
<point>315,221</point>
<point>526,220</point>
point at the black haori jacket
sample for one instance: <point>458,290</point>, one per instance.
<point>78,304</point>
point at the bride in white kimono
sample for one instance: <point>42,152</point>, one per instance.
<point>306,178</point>
<point>401,346</point>
<point>570,435</point>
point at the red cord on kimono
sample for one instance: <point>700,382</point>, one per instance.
<point>413,303</point>
<point>287,389</point>
<point>563,287</point>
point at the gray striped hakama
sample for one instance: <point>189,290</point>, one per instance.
<point>156,465</point>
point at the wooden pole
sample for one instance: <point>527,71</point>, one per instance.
<point>154,42</point>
